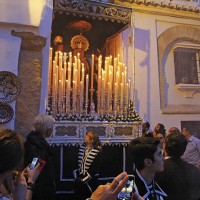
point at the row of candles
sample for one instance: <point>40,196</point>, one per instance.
<point>69,90</point>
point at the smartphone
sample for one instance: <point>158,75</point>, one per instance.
<point>126,192</point>
<point>34,162</point>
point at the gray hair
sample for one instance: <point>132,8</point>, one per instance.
<point>43,122</point>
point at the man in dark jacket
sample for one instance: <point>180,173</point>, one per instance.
<point>180,180</point>
<point>37,146</point>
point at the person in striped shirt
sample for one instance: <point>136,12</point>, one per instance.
<point>89,159</point>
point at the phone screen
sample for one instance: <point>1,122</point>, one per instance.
<point>126,192</point>
<point>34,163</point>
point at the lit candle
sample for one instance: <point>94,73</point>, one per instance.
<point>81,97</point>
<point>125,74</point>
<point>86,92</point>
<point>78,74</point>
<point>50,69</point>
<point>60,68</point>
<point>99,92</point>
<point>64,77</point>
<point>69,76</point>
<point>70,57</point>
<point>50,51</point>
<point>110,60</point>
<point>74,91</point>
<point>106,70</point>
<point>103,88</point>
<point>53,87</point>
<point>83,74</point>
<point>74,69</point>
<point>75,62</point>
<point>121,95</point>
<point>115,68</point>
<point>127,91</point>
<point>115,94</point>
<point>50,74</point>
<point>92,72</point>
<point>67,92</point>
<point>74,96</point>
<point>60,92</point>
<point>65,57</point>
<point>99,70</point>
<point>54,67</point>
<point>111,76</point>
<point>108,97</point>
<point>60,53</point>
<point>129,88</point>
<point>78,56</point>
<point>57,77</point>
<point>100,60</point>
<point>54,90</point>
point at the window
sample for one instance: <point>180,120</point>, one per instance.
<point>187,65</point>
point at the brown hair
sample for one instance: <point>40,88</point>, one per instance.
<point>11,150</point>
<point>142,148</point>
<point>96,140</point>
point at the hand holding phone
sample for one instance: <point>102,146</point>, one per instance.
<point>35,161</point>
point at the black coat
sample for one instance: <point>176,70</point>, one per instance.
<point>88,172</point>
<point>37,146</point>
<point>180,180</point>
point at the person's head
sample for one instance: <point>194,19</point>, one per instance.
<point>187,132</point>
<point>58,42</point>
<point>159,126</point>
<point>161,135</point>
<point>92,139</point>
<point>147,153</point>
<point>173,130</point>
<point>44,125</point>
<point>11,151</point>
<point>145,126</point>
<point>175,144</point>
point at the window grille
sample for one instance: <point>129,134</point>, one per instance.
<point>187,65</point>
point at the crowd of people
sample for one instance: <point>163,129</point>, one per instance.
<point>165,165</point>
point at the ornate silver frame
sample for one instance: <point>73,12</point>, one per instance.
<point>94,10</point>
<point>109,132</point>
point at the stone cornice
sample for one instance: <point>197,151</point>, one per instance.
<point>94,10</point>
<point>30,41</point>
<point>163,8</point>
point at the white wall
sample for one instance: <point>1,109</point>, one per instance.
<point>23,16</point>
<point>147,30</point>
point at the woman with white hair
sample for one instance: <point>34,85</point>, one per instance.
<point>37,146</point>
